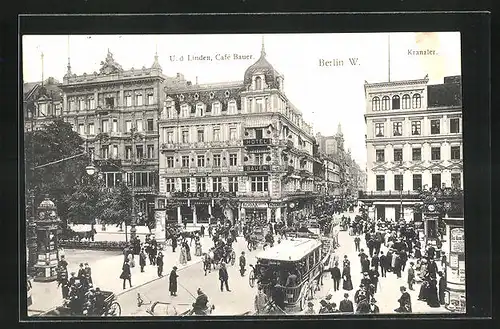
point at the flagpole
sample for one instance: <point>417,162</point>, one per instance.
<point>389,56</point>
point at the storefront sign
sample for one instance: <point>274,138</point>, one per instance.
<point>457,240</point>
<point>257,168</point>
<point>257,141</point>
<point>193,195</point>
<point>253,205</point>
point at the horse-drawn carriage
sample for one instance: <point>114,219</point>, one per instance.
<point>66,233</point>
<point>303,257</point>
<point>159,308</point>
<point>109,307</point>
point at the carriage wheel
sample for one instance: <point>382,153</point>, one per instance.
<point>303,299</point>
<point>251,278</point>
<point>114,309</point>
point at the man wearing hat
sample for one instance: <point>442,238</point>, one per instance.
<point>173,282</point>
<point>346,305</point>
<point>325,308</point>
<point>411,276</point>
<point>200,305</point>
<point>310,308</point>
<point>373,307</point>
<point>243,263</point>
<point>261,301</point>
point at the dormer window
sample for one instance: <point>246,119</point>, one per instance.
<point>184,111</point>
<point>199,110</point>
<point>258,83</point>
<point>216,108</point>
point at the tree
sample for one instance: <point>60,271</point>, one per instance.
<point>87,202</point>
<point>117,205</point>
<point>54,141</point>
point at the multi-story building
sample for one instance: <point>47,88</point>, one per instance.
<point>116,112</point>
<point>413,140</point>
<point>244,138</point>
<point>42,102</point>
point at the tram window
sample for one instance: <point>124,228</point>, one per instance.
<point>311,261</point>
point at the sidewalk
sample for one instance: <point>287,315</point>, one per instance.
<point>112,229</point>
<point>105,275</point>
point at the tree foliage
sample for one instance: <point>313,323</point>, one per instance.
<point>117,205</point>
<point>87,202</point>
<point>54,141</point>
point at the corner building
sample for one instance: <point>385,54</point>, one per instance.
<point>413,139</point>
<point>244,139</point>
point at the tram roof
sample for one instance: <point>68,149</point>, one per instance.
<point>290,250</point>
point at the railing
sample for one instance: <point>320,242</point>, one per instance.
<point>388,194</point>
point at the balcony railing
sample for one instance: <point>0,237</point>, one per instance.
<point>389,194</point>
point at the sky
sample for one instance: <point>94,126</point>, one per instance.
<point>326,95</point>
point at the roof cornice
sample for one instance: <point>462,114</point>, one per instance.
<point>396,83</point>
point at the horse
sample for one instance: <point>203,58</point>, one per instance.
<point>87,235</point>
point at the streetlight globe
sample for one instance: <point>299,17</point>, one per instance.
<point>90,170</point>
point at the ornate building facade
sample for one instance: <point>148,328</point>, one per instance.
<point>242,144</point>
<point>116,111</point>
<point>413,140</point>
<point>42,102</point>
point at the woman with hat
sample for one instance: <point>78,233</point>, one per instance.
<point>126,275</point>
<point>173,281</point>
<point>346,276</point>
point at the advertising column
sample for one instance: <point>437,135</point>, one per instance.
<point>455,268</point>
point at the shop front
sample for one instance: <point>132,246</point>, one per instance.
<point>256,211</point>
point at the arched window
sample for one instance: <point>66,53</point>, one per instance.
<point>396,102</point>
<point>258,83</point>
<point>417,101</point>
<point>386,103</point>
<point>406,101</point>
<point>376,104</point>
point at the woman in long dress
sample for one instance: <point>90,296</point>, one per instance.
<point>188,251</point>
<point>198,251</point>
<point>183,257</point>
<point>346,276</point>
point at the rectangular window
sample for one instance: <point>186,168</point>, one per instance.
<point>216,184</point>
<point>151,151</point>
<point>138,100</point>
<point>259,105</point>
<point>170,137</point>
<point>258,133</point>
<point>397,128</point>
<point>115,152</point>
<point>128,126</point>
<point>201,184</point>
<point>398,155</point>
<point>139,151</point>
<point>81,104</point>
<point>259,159</point>
<point>216,162</point>
<point>416,154</point>
<point>150,99</point>
<point>128,152</point>
<point>216,108</point>
<point>435,127</point>
<point>170,184</point>
<point>201,135</point>
<point>91,129</point>
<point>170,162</point>
<point>455,152</point>
<point>455,126</point>
<point>233,184</point>
<point>185,137</point>
<point>436,180</point>
<point>115,125</point>
<point>379,130</point>
<point>456,180</point>
<point>216,134</point>
<point>233,159</point>
<point>259,184</point>
<point>105,151</point>
<point>128,100</point>
<point>81,129</point>
<point>416,128</point>
<point>398,182</point>
<point>91,104</point>
<point>201,161</point>
<point>417,182</point>
<point>185,161</point>
<point>380,182</point>
<point>185,111</point>
<point>105,125</point>
<point>380,155</point>
<point>138,124</point>
<point>436,153</point>
<point>232,134</point>
<point>150,125</point>
<point>185,185</point>
<point>231,107</point>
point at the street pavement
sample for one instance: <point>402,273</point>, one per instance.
<point>105,275</point>
<point>388,291</point>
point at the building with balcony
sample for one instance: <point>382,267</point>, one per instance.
<point>244,139</point>
<point>413,139</point>
<point>116,112</point>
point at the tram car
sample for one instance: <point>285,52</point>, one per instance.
<point>304,257</point>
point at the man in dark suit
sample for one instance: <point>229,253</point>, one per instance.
<point>375,261</point>
<point>336,275</point>
<point>373,307</point>
<point>383,264</point>
<point>346,305</point>
<point>357,241</point>
<point>374,275</point>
